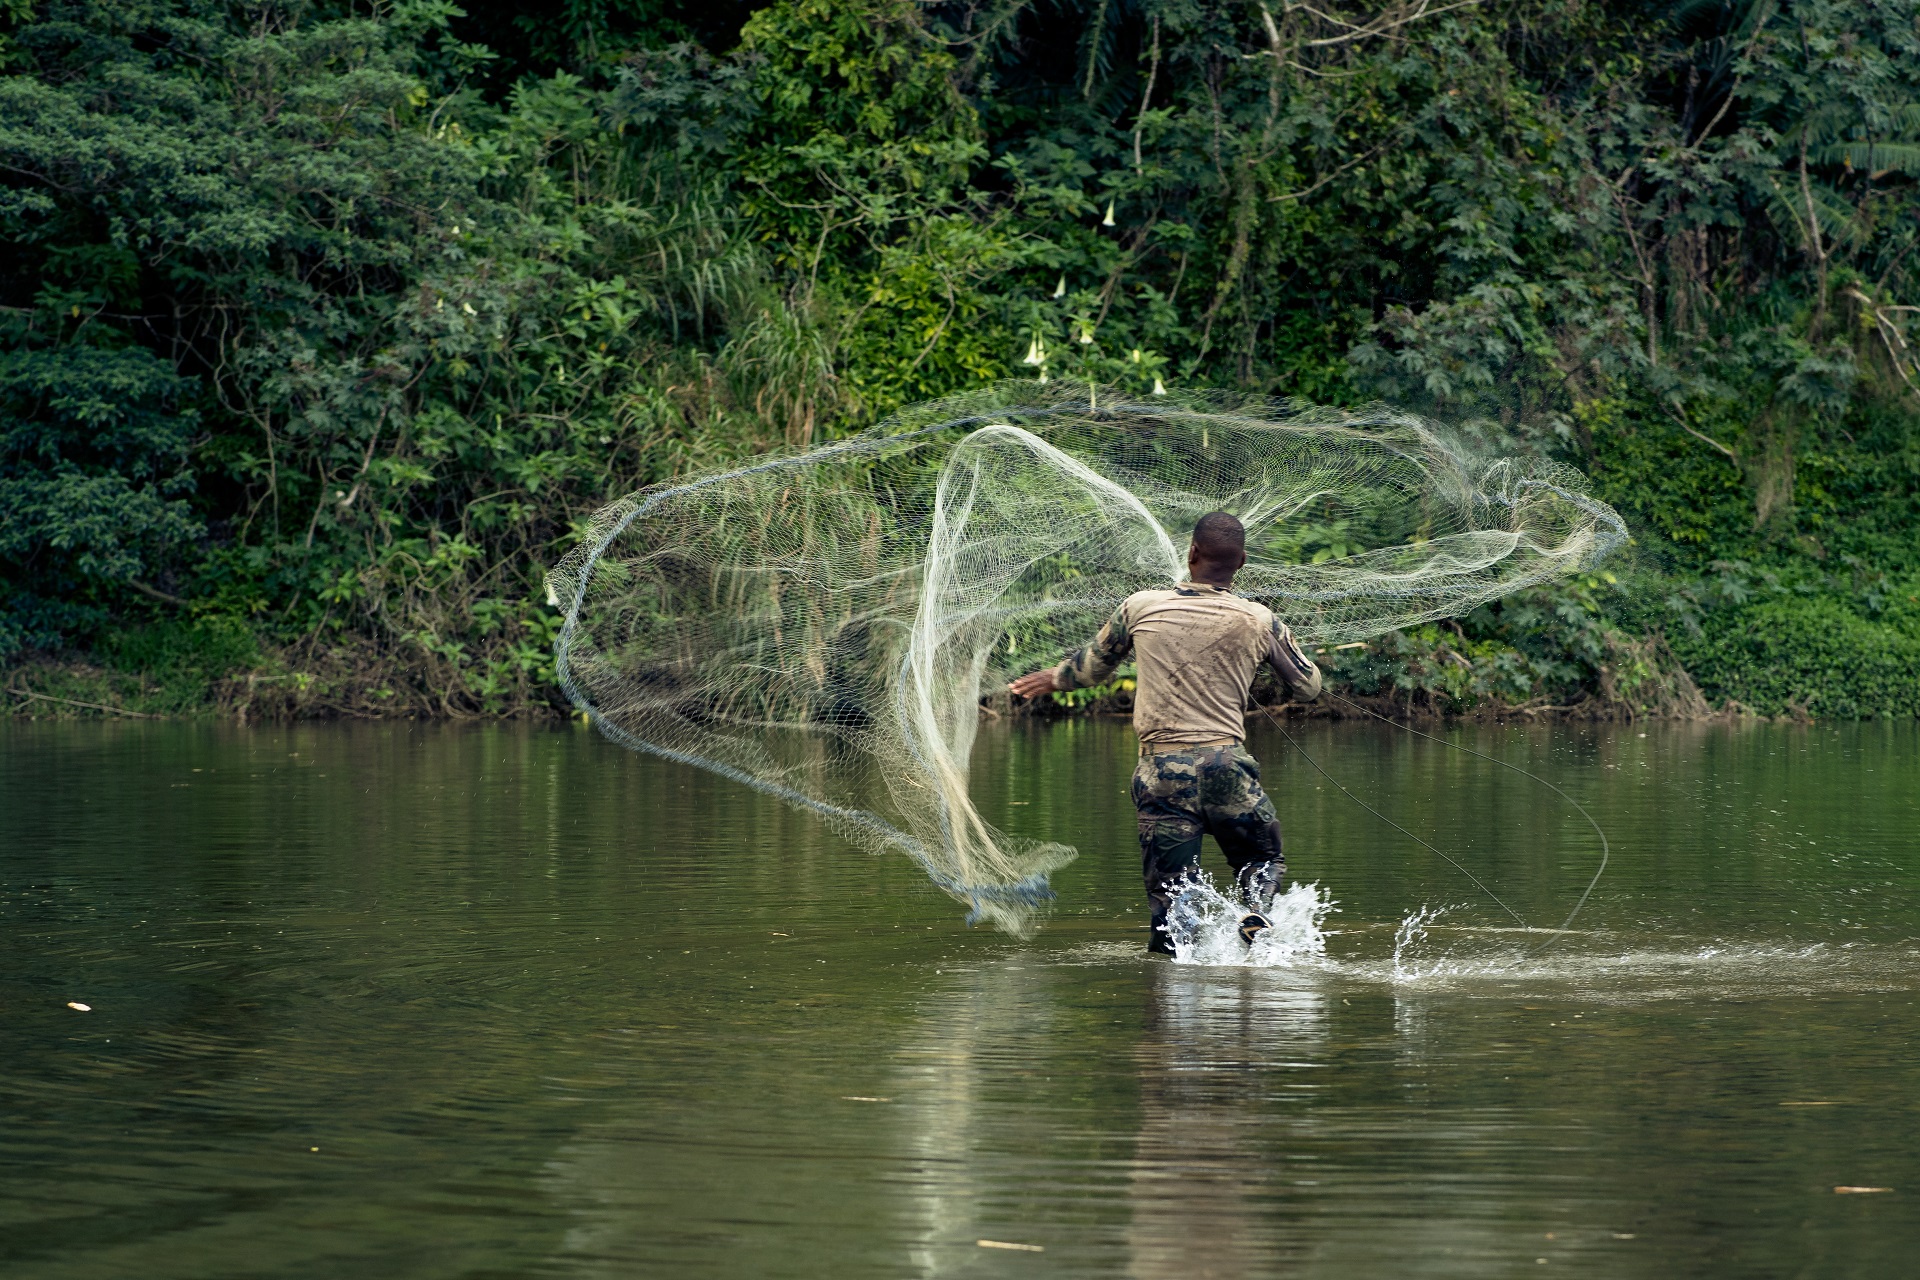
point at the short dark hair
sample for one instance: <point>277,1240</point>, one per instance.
<point>1217,535</point>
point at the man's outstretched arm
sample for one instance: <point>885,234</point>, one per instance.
<point>1291,663</point>
<point>1085,667</point>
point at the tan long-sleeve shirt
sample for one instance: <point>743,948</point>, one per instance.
<point>1197,647</point>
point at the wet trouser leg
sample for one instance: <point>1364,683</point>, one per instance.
<point>1182,795</point>
<point>1241,817</point>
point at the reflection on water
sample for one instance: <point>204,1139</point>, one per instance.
<point>963,1058</point>
<point>1202,1177</point>
<point>423,1002</point>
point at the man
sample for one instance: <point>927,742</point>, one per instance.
<point>1197,645</point>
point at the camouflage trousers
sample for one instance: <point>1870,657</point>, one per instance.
<point>1183,795</point>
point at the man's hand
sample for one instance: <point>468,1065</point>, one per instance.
<point>1033,684</point>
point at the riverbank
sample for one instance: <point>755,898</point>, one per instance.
<point>1637,646</point>
<point>1601,646</point>
<point>1637,680</point>
<point>341,683</point>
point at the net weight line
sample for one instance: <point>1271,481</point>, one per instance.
<point>1605,848</point>
<point>1431,848</point>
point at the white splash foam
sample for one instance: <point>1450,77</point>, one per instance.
<point>1432,958</point>
<point>1205,924</point>
<point>1408,940</point>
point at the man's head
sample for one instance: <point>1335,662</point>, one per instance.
<point>1219,549</point>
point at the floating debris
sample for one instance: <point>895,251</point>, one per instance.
<point>1008,1244</point>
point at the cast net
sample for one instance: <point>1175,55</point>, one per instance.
<point>822,625</point>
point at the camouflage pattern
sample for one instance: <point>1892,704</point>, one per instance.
<point>1093,664</point>
<point>1291,663</point>
<point>1183,795</point>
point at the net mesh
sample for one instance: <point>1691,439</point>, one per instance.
<point>822,625</point>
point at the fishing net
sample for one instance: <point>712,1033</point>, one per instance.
<point>822,626</point>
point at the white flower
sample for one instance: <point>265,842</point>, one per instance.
<point>1108,220</point>
<point>1159,387</point>
<point>1060,290</point>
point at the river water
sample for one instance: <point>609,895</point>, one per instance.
<point>422,1001</point>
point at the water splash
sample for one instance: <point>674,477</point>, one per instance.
<point>1429,957</point>
<point>1409,938</point>
<point>1205,924</point>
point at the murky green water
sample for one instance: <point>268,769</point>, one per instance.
<point>415,1001</point>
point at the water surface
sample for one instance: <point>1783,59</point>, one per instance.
<point>423,1001</point>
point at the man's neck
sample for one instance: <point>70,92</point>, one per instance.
<point>1211,580</point>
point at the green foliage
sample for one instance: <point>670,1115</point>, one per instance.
<point>431,333</point>
<point>178,661</point>
<point>335,322</point>
<point>93,478</point>
<point>1548,645</point>
<point>1808,656</point>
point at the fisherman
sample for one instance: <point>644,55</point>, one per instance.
<point>1197,645</point>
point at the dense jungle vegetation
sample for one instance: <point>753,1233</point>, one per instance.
<point>327,323</point>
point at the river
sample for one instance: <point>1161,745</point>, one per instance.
<point>423,1001</point>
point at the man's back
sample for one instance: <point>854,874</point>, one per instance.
<point>1196,647</point>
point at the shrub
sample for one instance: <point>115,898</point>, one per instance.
<point>1806,655</point>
